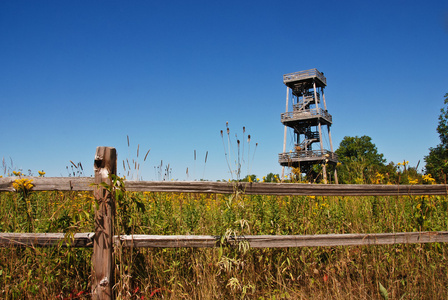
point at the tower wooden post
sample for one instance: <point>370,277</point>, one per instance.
<point>284,134</point>
<point>103,257</point>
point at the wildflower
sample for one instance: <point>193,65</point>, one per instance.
<point>41,173</point>
<point>415,181</point>
<point>428,178</point>
<point>17,173</point>
<point>379,178</point>
<point>22,185</point>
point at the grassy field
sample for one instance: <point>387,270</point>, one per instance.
<point>360,272</point>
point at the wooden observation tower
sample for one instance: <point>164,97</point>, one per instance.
<point>308,118</point>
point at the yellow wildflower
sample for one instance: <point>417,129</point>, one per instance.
<point>415,181</point>
<point>22,184</point>
<point>17,173</point>
<point>41,173</point>
<point>428,178</point>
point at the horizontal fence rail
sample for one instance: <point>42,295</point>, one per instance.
<point>207,241</point>
<point>283,241</point>
<point>250,188</point>
<point>46,239</point>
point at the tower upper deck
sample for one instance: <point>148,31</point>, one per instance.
<point>297,79</point>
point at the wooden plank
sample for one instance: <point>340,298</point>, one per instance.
<point>46,239</point>
<point>282,241</point>
<point>102,258</point>
<point>253,188</point>
<point>207,241</point>
<point>286,189</point>
<point>51,183</point>
<point>168,241</point>
<point>327,240</point>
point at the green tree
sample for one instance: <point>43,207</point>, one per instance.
<point>271,177</point>
<point>250,178</point>
<point>359,160</point>
<point>359,149</point>
<point>437,159</point>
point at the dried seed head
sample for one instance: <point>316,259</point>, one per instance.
<point>244,129</point>
<point>228,130</point>
<point>221,133</point>
<point>146,155</point>
<point>238,142</point>
<point>248,138</point>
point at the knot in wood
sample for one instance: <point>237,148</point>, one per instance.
<point>104,282</point>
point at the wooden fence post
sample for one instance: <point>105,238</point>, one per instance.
<point>103,258</point>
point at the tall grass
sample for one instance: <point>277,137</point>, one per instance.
<point>405,271</point>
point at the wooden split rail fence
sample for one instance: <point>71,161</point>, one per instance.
<point>103,239</point>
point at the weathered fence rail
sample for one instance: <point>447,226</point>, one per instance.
<point>46,239</point>
<point>249,188</point>
<point>103,240</point>
<point>207,241</point>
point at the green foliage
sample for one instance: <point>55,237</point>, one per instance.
<point>437,159</point>
<point>359,160</point>
<point>359,149</point>
<point>250,178</point>
<point>442,128</point>
<point>383,291</point>
<point>271,177</point>
<point>437,163</point>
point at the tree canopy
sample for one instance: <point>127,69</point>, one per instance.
<point>359,160</point>
<point>437,159</point>
<point>359,148</point>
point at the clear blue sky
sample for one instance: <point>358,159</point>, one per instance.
<point>75,75</point>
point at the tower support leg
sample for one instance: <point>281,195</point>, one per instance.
<point>324,173</point>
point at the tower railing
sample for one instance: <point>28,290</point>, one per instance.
<point>304,75</point>
<point>306,114</point>
<point>307,155</point>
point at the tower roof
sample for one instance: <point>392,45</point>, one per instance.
<point>297,79</point>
